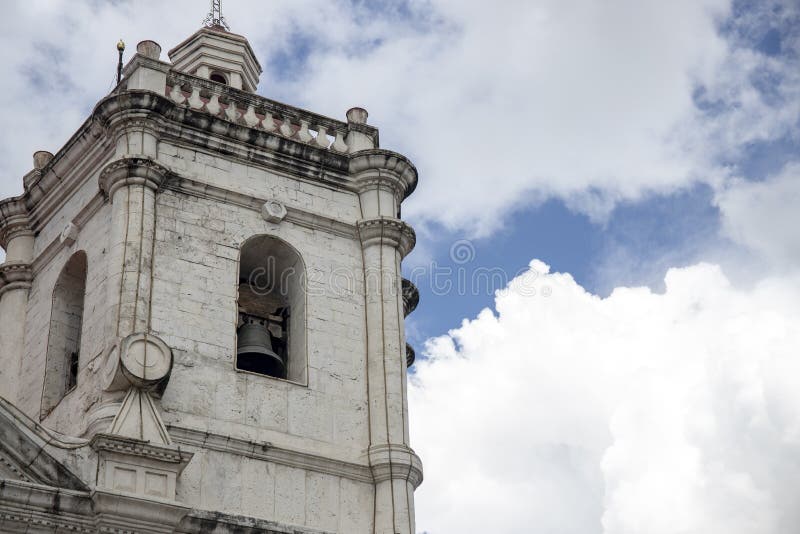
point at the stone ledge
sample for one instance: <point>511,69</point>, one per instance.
<point>135,447</point>
<point>132,170</point>
<point>269,453</point>
<point>14,221</point>
<point>377,166</point>
<point>15,275</point>
<point>387,231</point>
<point>305,218</point>
<point>395,462</point>
<point>219,523</point>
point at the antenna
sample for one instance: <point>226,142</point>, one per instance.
<point>215,18</point>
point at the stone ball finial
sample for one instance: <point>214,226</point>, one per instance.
<point>41,158</point>
<point>357,115</point>
<point>149,49</point>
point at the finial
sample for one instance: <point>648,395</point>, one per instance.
<point>120,49</point>
<point>215,18</point>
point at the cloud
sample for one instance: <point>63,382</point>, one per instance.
<point>763,216</point>
<point>590,102</point>
<point>639,412</point>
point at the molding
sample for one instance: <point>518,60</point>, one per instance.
<point>269,453</point>
<point>378,167</point>
<point>143,449</point>
<point>14,220</point>
<point>205,521</point>
<point>56,245</point>
<point>15,275</point>
<point>120,513</point>
<point>45,509</point>
<point>304,218</point>
<point>395,462</point>
<point>387,231</point>
<point>132,170</point>
<point>138,60</point>
<point>30,447</point>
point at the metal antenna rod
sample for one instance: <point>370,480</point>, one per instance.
<point>214,17</point>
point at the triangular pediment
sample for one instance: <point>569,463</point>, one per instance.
<point>26,451</point>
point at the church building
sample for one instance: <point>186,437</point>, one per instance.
<point>202,314</point>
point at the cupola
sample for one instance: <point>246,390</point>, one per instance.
<point>218,55</point>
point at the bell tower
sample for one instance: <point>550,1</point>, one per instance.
<point>202,313</point>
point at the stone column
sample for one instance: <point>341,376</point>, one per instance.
<point>15,282</point>
<point>383,179</point>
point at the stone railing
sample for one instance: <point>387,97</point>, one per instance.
<point>261,113</point>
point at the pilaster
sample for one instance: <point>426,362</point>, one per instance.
<point>130,184</point>
<point>383,179</point>
<point>16,277</point>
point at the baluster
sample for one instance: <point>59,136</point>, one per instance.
<point>321,140</point>
<point>213,106</point>
<point>304,135</point>
<point>194,99</point>
<point>268,123</point>
<point>250,117</point>
<point>286,127</point>
<point>176,95</point>
<point>231,112</point>
<point>338,144</point>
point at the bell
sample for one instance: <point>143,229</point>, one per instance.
<point>254,352</point>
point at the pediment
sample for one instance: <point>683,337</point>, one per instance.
<point>9,470</point>
<point>25,452</point>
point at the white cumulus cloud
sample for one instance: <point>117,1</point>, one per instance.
<point>636,413</point>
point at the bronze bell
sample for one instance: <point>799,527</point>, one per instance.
<point>254,352</point>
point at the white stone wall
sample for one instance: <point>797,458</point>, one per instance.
<point>194,311</point>
<point>197,243</point>
<point>276,492</point>
<point>257,181</point>
<point>69,416</point>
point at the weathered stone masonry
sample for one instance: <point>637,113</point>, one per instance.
<point>157,193</point>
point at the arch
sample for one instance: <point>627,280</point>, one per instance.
<point>217,76</point>
<point>64,335</point>
<point>271,327</point>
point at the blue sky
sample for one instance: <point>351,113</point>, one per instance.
<point>649,151</point>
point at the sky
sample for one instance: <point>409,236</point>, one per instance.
<point>608,235</point>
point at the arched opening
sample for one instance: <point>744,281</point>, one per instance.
<point>271,336</point>
<point>218,77</point>
<point>64,337</point>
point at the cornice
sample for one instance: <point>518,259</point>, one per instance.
<point>387,231</point>
<point>14,220</point>
<point>132,170</point>
<point>15,275</point>
<point>395,462</point>
<point>270,453</point>
<point>135,447</point>
<point>370,168</point>
<point>304,218</point>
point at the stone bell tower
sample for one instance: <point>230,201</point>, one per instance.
<point>201,314</point>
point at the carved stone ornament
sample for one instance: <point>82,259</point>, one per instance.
<point>273,211</point>
<point>141,360</point>
<point>69,235</point>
